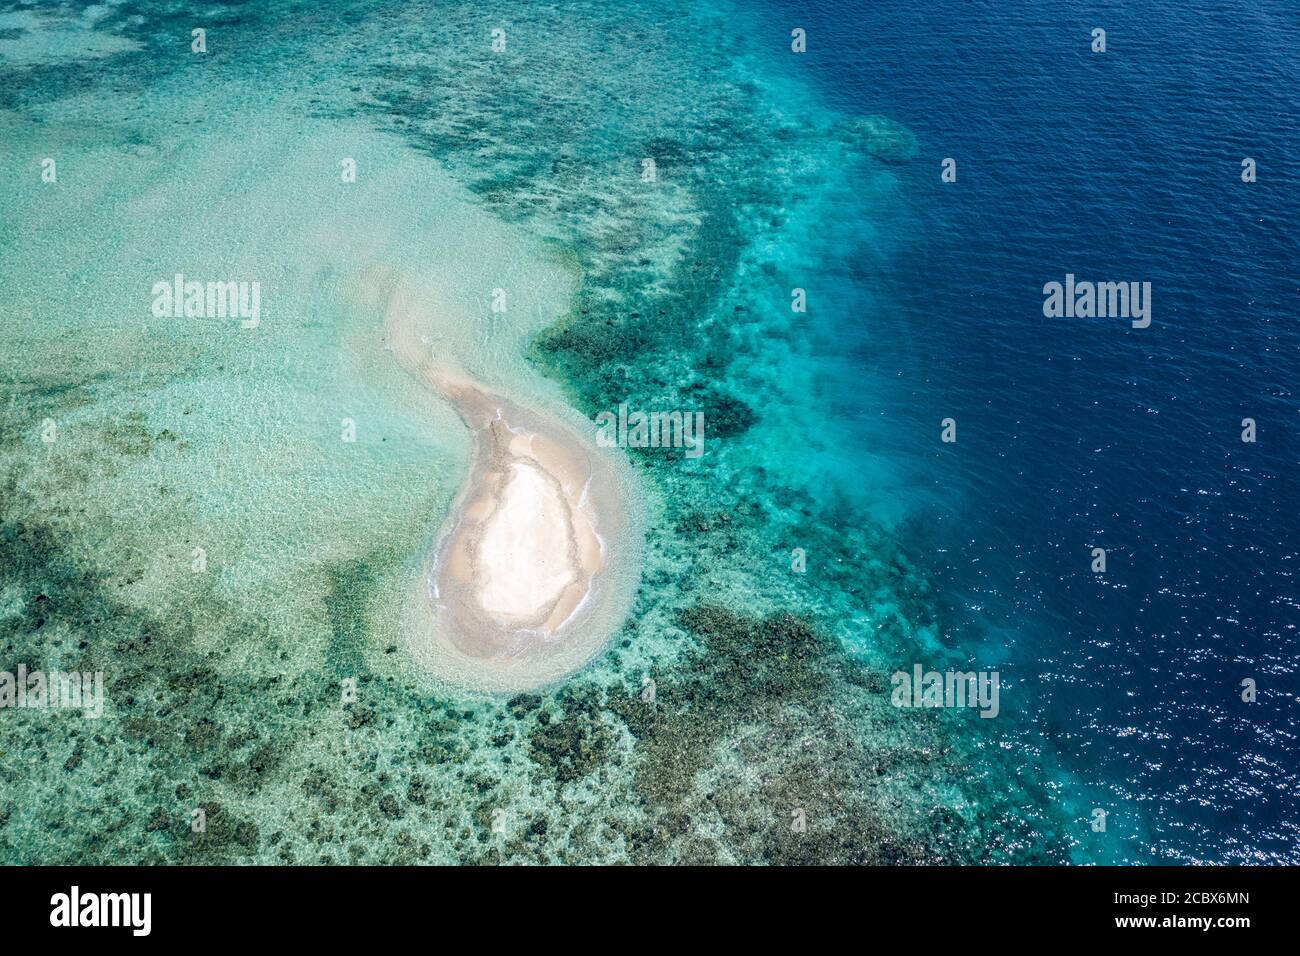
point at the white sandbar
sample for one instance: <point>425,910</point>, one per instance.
<point>539,558</point>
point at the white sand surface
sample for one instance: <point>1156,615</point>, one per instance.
<point>538,561</point>
<point>526,553</point>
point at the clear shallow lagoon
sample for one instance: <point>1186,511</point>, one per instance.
<point>522,170</point>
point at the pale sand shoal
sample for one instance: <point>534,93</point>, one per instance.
<point>537,562</point>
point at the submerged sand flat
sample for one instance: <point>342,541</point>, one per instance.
<point>537,562</point>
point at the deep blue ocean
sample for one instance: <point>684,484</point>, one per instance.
<point>1076,433</point>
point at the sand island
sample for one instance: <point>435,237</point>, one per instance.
<point>536,564</point>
